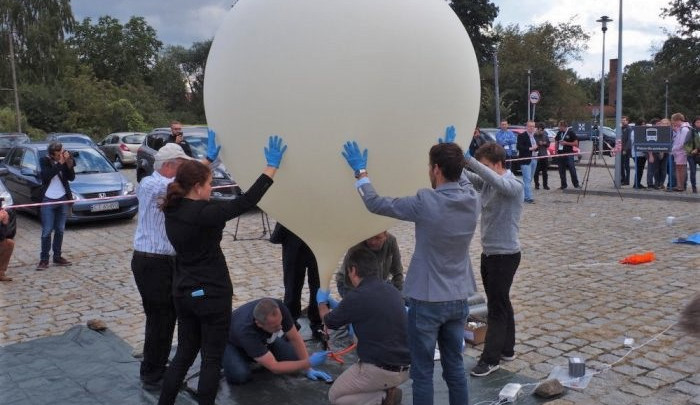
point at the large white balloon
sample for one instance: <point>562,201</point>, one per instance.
<point>390,74</point>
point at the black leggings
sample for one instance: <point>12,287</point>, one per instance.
<point>203,323</point>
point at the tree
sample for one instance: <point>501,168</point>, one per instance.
<point>687,13</point>
<point>477,17</point>
<point>115,52</point>
<point>544,49</point>
<point>37,29</point>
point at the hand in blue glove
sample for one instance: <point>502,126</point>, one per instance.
<point>323,296</point>
<point>318,358</point>
<point>467,155</point>
<point>212,148</point>
<point>450,135</point>
<point>356,159</point>
<point>274,151</point>
<point>332,304</point>
<point>315,375</point>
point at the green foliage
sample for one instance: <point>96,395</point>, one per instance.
<point>115,52</point>
<point>477,17</point>
<point>545,50</point>
<point>687,13</point>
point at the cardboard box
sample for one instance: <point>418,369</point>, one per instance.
<point>475,332</point>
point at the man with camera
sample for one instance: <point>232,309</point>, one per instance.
<point>56,171</point>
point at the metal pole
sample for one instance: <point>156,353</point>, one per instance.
<point>603,20</point>
<point>14,81</point>
<point>528,95</point>
<point>666,103</point>
<point>496,91</point>
<point>618,101</point>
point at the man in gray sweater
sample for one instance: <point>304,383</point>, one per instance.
<point>501,206</point>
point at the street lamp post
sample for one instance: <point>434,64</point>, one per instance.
<point>618,102</point>
<point>496,90</point>
<point>666,103</point>
<point>528,94</point>
<point>604,20</point>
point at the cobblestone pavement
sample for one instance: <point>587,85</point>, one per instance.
<point>571,296</point>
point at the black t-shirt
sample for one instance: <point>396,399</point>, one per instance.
<point>246,335</point>
<point>183,144</point>
<point>568,136</point>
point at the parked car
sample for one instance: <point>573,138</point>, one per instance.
<point>95,177</point>
<point>5,196</point>
<point>69,137</point>
<point>196,137</point>
<point>121,147</point>
<point>10,139</point>
<point>608,139</point>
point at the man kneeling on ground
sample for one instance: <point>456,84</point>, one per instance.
<point>263,331</point>
<point>376,310</point>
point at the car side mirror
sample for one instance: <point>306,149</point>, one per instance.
<point>27,172</point>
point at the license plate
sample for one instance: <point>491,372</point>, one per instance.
<point>105,206</point>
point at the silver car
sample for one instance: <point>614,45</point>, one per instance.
<point>121,147</point>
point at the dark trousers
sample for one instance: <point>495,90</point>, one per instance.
<point>662,169</point>
<point>567,163</point>
<point>625,174</point>
<point>692,170</point>
<point>639,163</point>
<point>497,272</point>
<point>295,266</point>
<point>154,279</point>
<point>542,165</point>
<point>202,325</point>
<point>237,363</point>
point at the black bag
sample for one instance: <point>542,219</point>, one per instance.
<point>37,193</point>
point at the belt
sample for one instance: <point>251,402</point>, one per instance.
<point>153,255</point>
<point>396,369</point>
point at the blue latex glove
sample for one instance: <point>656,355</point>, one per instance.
<point>315,375</point>
<point>332,304</point>
<point>274,151</point>
<point>318,358</point>
<point>212,148</point>
<point>467,155</point>
<point>450,135</point>
<point>356,159</point>
<point>323,296</point>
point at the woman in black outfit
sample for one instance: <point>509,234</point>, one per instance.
<point>202,288</point>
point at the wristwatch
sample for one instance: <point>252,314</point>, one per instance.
<point>360,172</point>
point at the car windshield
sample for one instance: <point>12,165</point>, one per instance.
<point>198,144</point>
<point>8,141</point>
<point>90,161</point>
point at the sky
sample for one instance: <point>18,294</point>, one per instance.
<point>183,22</point>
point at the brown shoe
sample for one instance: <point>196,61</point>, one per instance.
<point>393,396</point>
<point>43,265</point>
<point>5,278</point>
<point>60,261</point>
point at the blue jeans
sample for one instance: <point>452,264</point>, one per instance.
<point>528,169</point>
<point>692,169</point>
<point>236,362</point>
<point>53,219</point>
<point>441,322</point>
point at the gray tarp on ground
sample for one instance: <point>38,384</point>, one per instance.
<point>87,367</point>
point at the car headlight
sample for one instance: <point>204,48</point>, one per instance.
<point>76,196</point>
<point>128,188</point>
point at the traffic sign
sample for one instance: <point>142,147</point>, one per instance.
<point>535,96</point>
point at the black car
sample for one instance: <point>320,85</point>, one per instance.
<point>10,139</point>
<point>96,180</point>
<point>608,139</point>
<point>225,188</point>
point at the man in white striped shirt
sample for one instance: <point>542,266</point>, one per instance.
<point>153,263</point>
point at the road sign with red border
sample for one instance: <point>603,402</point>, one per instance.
<point>535,96</point>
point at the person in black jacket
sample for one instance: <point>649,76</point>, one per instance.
<point>202,289</point>
<point>8,228</point>
<point>297,258</point>
<point>542,140</point>
<point>56,171</point>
